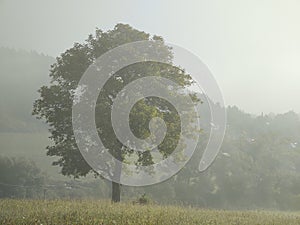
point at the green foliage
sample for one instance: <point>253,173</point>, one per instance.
<point>55,102</point>
<point>257,167</point>
<point>20,178</point>
<point>143,200</point>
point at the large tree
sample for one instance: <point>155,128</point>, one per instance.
<point>55,102</point>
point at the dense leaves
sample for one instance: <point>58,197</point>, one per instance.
<point>55,102</point>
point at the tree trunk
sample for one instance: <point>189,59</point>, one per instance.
<point>116,186</point>
<point>116,192</point>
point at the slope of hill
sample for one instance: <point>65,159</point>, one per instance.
<point>22,74</point>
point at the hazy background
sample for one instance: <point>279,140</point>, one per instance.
<point>252,47</point>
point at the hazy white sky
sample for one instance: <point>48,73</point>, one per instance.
<point>251,46</point>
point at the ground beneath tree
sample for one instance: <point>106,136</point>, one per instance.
<point>104,212</point>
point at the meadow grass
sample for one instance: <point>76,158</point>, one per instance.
<point>103,212</point>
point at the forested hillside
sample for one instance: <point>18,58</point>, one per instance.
<point>258,167</point>
<point>22,73</point>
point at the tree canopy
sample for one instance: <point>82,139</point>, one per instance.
<point>55,102</point>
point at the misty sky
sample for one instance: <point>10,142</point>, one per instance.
<point>251,46</point>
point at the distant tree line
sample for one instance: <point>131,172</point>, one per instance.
<point>257,167</point>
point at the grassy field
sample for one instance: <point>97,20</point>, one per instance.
<point>103,212</point>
